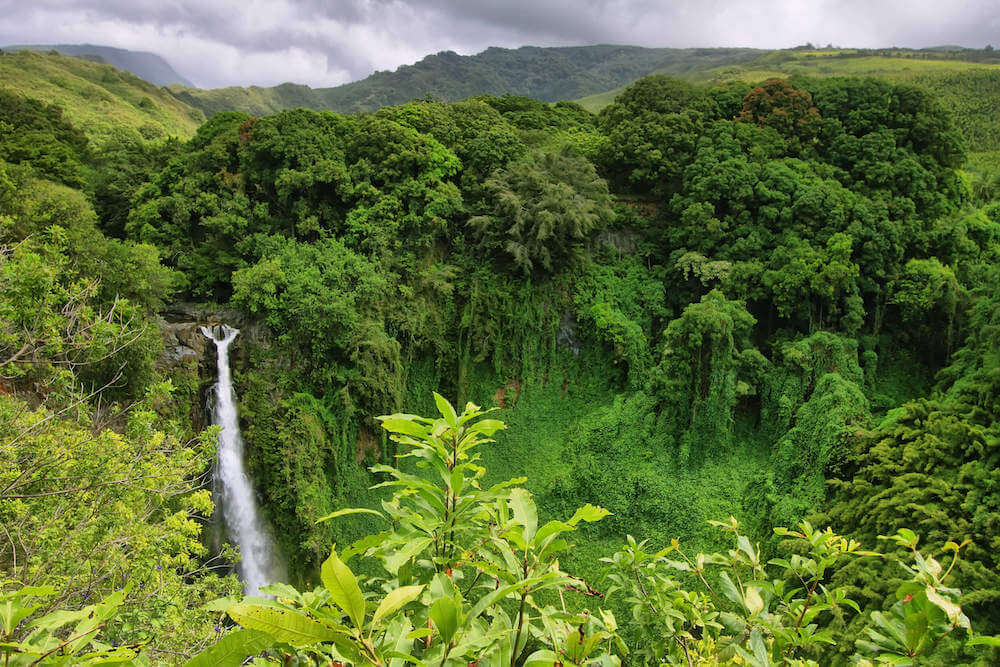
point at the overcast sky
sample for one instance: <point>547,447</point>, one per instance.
<point>329,42</point>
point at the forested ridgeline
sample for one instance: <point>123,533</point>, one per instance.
<point>101,101</point>
<point>777,302</point>
<point>546,73</point>
<point>143,64</point>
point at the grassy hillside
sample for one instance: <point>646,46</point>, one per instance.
<point>548,74</point>
<point>97,97</point>
<point>966,81</point>
<point>254,100</point>
<point>147,66</point>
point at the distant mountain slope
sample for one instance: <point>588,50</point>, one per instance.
<point>98,98</point>
<point>545,73</point>
<point>147,66</point>
<point>254,100</point>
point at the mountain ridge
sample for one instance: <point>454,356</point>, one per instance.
<point>546,73</point>
<point>151,67</point>
<point>100,98</point>
<point>968,80</point>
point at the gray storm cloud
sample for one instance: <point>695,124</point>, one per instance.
<point>265,42</point>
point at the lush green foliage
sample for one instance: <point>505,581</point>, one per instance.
<point>542,210</point>
<point>44,643</point>
<point>771,301</point>
<point>102,492</point>
<point>965,81</point>
<point>36,133</point>
<point>99,99</point>
<point>548,74</point>
<point>455,552</point>
<point>751,296</point>
<point>147,66</point>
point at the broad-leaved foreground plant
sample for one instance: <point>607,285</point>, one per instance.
<point>465,568</point>
<point>752,612</point>
<point>470,577</point>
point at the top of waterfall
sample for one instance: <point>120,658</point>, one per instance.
<point>220,333</point>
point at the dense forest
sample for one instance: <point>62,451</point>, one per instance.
<point>550,74</point>
<point>664,347</point>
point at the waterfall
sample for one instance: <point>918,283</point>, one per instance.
<point>259,564</point>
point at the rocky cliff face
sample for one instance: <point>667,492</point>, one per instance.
<point>184,346</point>
<point>188,357</point>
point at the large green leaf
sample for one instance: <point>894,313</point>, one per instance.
<point>892,627</point>
<point>97,614</point>
<point>447,616</point>
<point>59,618</point>
<point>550,529</point>
<point>952,610</point>
<point>345,512</point>
<point>343,588</point>
<point>525,511</point>
<point>916,629</point>
<point>398,639</point>
<point>12,613</point>
<point>487,427</point>
<point>394,601</point>
<point>753,601</point>
<point>589,513</point>
<point>220,604</point>
<point>744,545</point>
<point>404,426</point>
<point>543,658</point>
<point>759,648</point>
<point>407,552</point>
<point>232,649</point>
<point>284,625</point>
<point>729,589</point>
<point>447,411</point>
<point>985,640</point>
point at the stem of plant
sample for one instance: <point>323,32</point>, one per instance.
<point>520,626</point>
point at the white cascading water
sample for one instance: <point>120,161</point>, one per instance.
<point>259,564</point>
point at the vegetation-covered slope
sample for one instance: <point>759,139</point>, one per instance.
<point>772,302</point>
<point>548,74</point>
<point>968,81</point>
<point>98,98</point>
<point>147,66</point>
<point>100,489</point>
